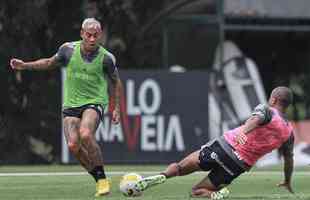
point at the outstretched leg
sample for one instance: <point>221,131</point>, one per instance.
<point>186,166</point>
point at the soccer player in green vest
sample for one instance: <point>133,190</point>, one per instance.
<point>88,68</point>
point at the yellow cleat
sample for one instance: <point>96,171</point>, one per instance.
<point>102,187</point>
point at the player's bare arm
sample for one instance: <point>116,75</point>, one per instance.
<point>287,152</point>
<point>59,59</point>
<point>260,116</point>
<point>117,88</point>
<point>115,85</point>
<point>41,64</point>
<point>253,122</point>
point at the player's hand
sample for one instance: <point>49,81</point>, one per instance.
<point>115,116</point>
<point>286,186</point>
<point>241,138</point>
<point>17,64</point>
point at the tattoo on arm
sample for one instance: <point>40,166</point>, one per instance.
<point>43,64</point>
<point>251,124</point>
<point>117,87</point>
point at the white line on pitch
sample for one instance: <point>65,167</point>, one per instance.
<point>115,173</point>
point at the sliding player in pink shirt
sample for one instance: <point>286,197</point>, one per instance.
<point>238,150</point>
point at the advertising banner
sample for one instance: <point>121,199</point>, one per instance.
<point>164,117</point>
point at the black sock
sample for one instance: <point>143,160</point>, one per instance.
<point>98,173</point>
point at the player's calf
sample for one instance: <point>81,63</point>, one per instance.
<point>172,170</point>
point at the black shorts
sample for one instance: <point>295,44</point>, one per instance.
<point>78,111</point>
<point>223,169</point>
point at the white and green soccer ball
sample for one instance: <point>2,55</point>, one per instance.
<point>127,184</point>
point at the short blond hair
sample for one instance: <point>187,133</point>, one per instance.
<point>91,23</point>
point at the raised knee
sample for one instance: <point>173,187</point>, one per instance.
<point>73,147</point>
<point>85,134</point>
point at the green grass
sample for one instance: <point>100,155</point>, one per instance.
<point>256,185</point>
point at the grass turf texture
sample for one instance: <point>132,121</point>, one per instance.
<point>258,184</point>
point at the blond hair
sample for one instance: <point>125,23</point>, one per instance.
<point>91,23</point>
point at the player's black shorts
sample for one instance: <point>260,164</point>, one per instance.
<point>78,111</point>
<point>223,169</point>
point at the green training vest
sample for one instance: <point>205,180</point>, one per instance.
<point>85,83</point>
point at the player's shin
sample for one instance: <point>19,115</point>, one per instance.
<point>172,170</point>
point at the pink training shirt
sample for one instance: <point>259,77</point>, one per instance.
<point>262,139</point>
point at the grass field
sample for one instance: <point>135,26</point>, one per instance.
<point>53,182</point>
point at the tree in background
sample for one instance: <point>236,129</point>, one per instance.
<point>31,110</point>
<point>30,107</point>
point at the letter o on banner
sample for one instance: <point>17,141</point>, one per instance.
<point>156,100</point>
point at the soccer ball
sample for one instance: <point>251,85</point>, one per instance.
<point>127,184</point>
